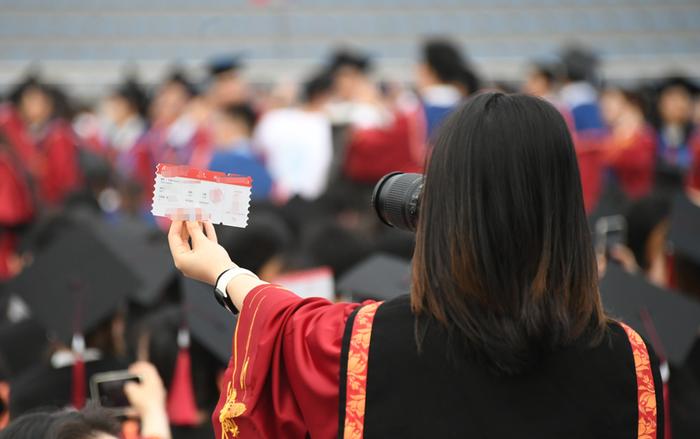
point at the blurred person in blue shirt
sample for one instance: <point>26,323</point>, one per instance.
<point>578,92</point>
<point>674,122</point>
<point>444,78</point>
<point>233,151</point>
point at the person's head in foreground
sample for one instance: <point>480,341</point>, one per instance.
<point>503,251</point>
<point>89,423</point>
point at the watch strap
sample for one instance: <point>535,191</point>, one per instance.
<point>222,282</point>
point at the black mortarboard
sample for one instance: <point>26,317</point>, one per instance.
<point>209,323</point>
<point>379,277</point>
<point>144,250</point>
<point>22,345</point>
<point>224,63</point>
<point>666,319</point>
<point>74,285</point>
<point>684,231</point>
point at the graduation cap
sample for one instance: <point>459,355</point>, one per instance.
<point>213,328</point>
<point>22,345</point>
<point>684,230</point>
<point>223,64</point>
<point>210,324</point>
<point>668,320</point>
<point>379,277</point>
<point>72,287</point>
<point>144,251</point>
<point>74,284</point>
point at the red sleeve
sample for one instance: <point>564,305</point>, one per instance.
<point>61,171</point>
<point>17,206</point>
<point>282,380</point>
<point>633,162</point>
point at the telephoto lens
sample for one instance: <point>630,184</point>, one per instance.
<point>396,199</point>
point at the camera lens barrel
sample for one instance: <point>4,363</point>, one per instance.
<point>396,200</point>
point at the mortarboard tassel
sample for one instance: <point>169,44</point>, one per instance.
<point>78,384</point>
<point>182,408</point>
<point>667,403</point>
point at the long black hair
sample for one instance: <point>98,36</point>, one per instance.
<point>503,256</point>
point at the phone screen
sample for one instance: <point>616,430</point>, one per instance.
<point>110,391</point>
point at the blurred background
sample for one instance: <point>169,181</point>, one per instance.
<point>316,100</point>
<point>87,45</point>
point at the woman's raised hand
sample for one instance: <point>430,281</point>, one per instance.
<point>197,254</point>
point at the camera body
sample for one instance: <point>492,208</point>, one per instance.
<point>396,200</point>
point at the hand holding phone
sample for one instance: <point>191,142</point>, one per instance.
<point>107,389</point>
<point>147,399</point>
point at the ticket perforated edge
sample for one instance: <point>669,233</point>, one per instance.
<point>186,193</point>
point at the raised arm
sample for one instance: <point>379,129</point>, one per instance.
<point>198,255</point>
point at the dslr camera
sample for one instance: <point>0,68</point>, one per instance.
<point>396,200</point>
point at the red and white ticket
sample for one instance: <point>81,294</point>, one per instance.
<point>186,193</point>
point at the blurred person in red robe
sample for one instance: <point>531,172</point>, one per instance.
<point>382,135</point>
<point>17,208</point>
<point>42,142</point>
<point>123,121</point>
<point>630,148</point>
<point>177,134</point>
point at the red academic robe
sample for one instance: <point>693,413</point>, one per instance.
<point>16,208</point>
<point>282,379</point>
<point>139,163</point>
<point>51,159</point>
<point>374,152</point>
<point>632,160</point>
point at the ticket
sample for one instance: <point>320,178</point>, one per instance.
<point>186,193</point>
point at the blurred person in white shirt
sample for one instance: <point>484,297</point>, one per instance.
<point>297,143</point>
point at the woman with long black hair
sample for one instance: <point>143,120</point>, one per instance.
<point>503,333</point>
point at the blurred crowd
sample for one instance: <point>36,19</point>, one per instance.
<point>314,151</point>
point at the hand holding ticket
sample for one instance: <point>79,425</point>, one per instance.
<point>186,193</point>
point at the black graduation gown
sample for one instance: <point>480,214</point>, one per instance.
<point>576,392</point>
<point>44,386</point>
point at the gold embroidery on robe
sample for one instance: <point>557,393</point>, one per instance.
<point>646,393</point>
<point>356,379</point>
<point>232,409</point>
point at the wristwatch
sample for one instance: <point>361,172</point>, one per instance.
<point>222,282</point>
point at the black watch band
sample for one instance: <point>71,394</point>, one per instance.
<point>222,296</point>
